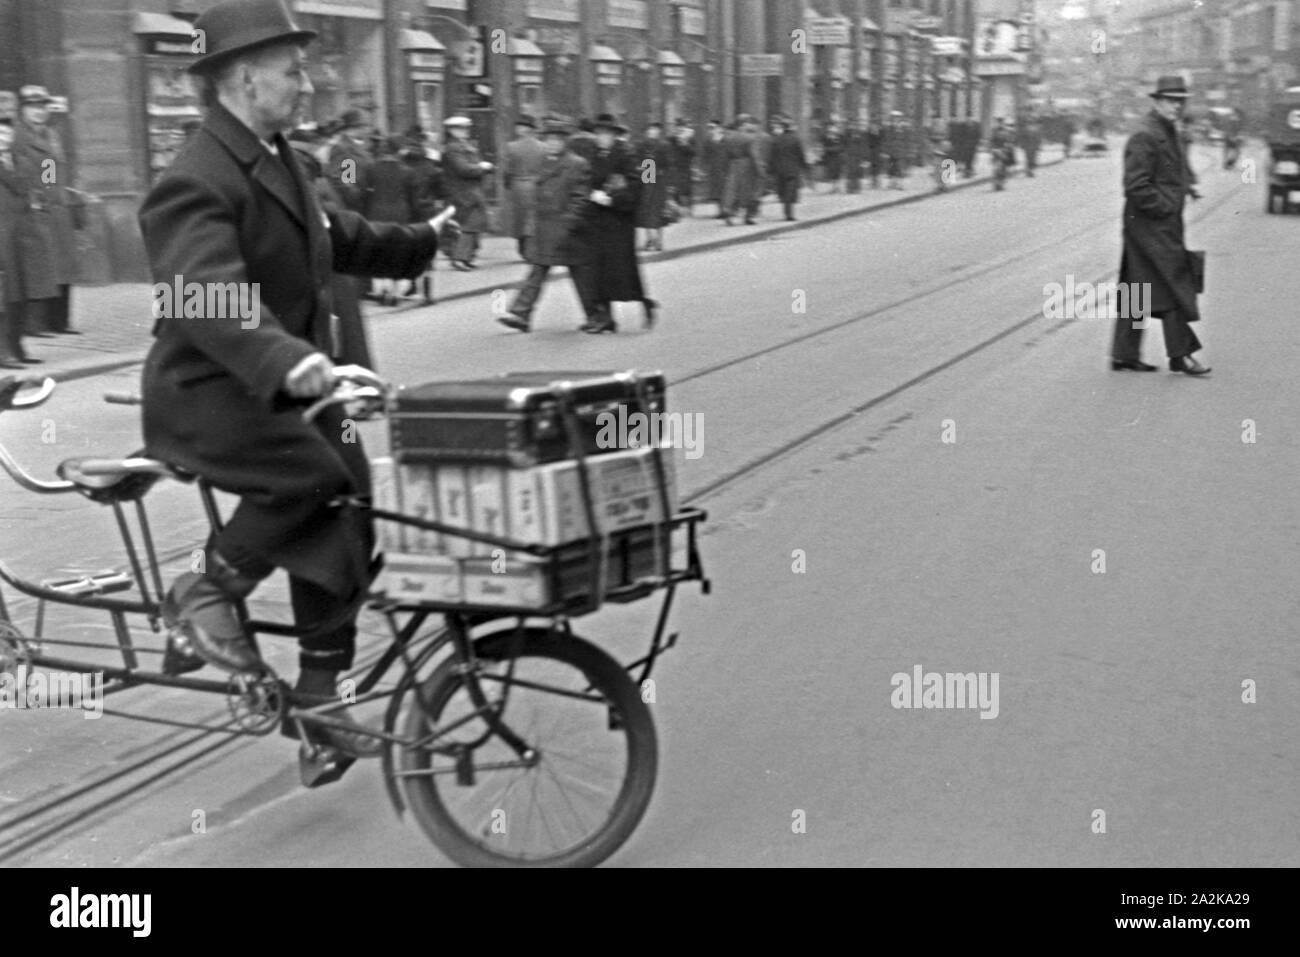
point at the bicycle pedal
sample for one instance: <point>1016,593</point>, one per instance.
<point>318,766</point>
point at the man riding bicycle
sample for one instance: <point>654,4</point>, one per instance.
<point>223,392</point>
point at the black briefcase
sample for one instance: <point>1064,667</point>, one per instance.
<point>517,419</point>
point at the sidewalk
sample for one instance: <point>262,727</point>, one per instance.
<point>116,323</point>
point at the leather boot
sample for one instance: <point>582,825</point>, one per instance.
<point>202,607</point>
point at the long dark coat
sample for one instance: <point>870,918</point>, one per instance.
<point>464,179</point>
<point>606,235</point>
<point>744,169</point>
<point>1156,182</point>
<point>49,256</point>
<point>563,183</point>
<point>714,162</point>
<point>20,245</point>
<point>430,189</point>
<point>654,193</point>
<point>681,158</point>
<point>392,194</point>
<point>227,211</point>
<point>346,170</point>
<point>788,165</point>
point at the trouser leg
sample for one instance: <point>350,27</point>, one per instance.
<point>59,310</point>
<point>1180,340</point>
<point>11,329</point>
<point>584,282</point>
<point>330,625</point>
<point>1127,345</point>
<point>526,298</point>
<point>466,247</point>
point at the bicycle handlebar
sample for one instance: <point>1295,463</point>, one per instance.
<point>13,387</point>
<point>353,383</point>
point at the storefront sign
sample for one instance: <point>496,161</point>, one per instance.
<point>609,74</point>
<point>762,64</point>
<point>999,67</point>
<point>361,9</point>
<point>567,10</point>
<point>461,5</point>
<point>928,24</point>
<point>827,31</point>
<point>692,21</point>
<point>627,13</point>
<point>673,75</point>
<point>946,46</point>
<point>470,58</point>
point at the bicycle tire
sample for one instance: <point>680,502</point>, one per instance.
<point>618,697</point>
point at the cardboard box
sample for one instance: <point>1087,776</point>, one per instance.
<point>420,500</point>
<point>454,506</point>
<point>386,494</point>
<point>421,578</point>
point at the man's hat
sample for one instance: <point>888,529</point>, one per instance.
<point>238,26</point>
<point>606,121</point>
<point>555,125</point>
<point>1171,88</point>
<point>350,120</point>
<point>32,95</point>
<point>523,119</point>
<point>460,122</point>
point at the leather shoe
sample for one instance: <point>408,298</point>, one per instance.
<point>204,612</point>
<point>1136,365</point>
<point>460,264</point>
<point>31,361</point>
<point>651,308</point>
<point>599,327</point>
<point>179,657</point>
<point>515,321</point>
<point>7,364</point>
<point>1188,365</point>
<point>354,743</point>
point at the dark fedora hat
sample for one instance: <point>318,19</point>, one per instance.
<point>553,124</point>
<point>606,121</point>
<point>351,120</point>
<point>524,119</point>
<point>238,26</point>
<point>1171,87</point>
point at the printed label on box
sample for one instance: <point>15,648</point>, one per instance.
<point>421,578</point>
<point>386,494</point>
<point>522,582</point>
<point>454,507</point>
<point>420,498</point>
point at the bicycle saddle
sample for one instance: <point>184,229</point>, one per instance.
<point>117,480</point>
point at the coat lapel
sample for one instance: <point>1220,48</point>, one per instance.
<point>270,173</point>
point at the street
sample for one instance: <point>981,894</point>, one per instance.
<point>906,466</point>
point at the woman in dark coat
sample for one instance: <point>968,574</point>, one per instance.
<point>605,239</point>
<point>390,194</point>
<point>714,163</point>
<point>653,154</point>
<point>430,190</point>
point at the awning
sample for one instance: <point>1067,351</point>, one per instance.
<point>669,58</point>
<point>869,24</point>
<point>161,25</point>
<point>953,75</point>
<point>603,54</point>
<point>417,40</point>
<point>520,47</point>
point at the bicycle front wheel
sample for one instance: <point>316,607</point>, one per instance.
<point>589,756</point>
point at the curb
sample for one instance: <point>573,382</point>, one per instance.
<point>113,365</point>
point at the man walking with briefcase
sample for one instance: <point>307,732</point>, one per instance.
<point>1157,180</point>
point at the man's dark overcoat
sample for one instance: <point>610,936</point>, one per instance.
<point>228,211</point>
<point>1156,182</point>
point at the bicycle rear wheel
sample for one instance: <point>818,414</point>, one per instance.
<point>570,803</point>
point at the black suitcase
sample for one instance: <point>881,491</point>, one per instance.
<point>515,419</point>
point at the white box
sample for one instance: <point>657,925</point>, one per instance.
<point>420,500</point>
<point>454,507</point>
<point>421,578</point>
<point>386,494</point>
<point>488,493</point>
<point>624,493</point>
